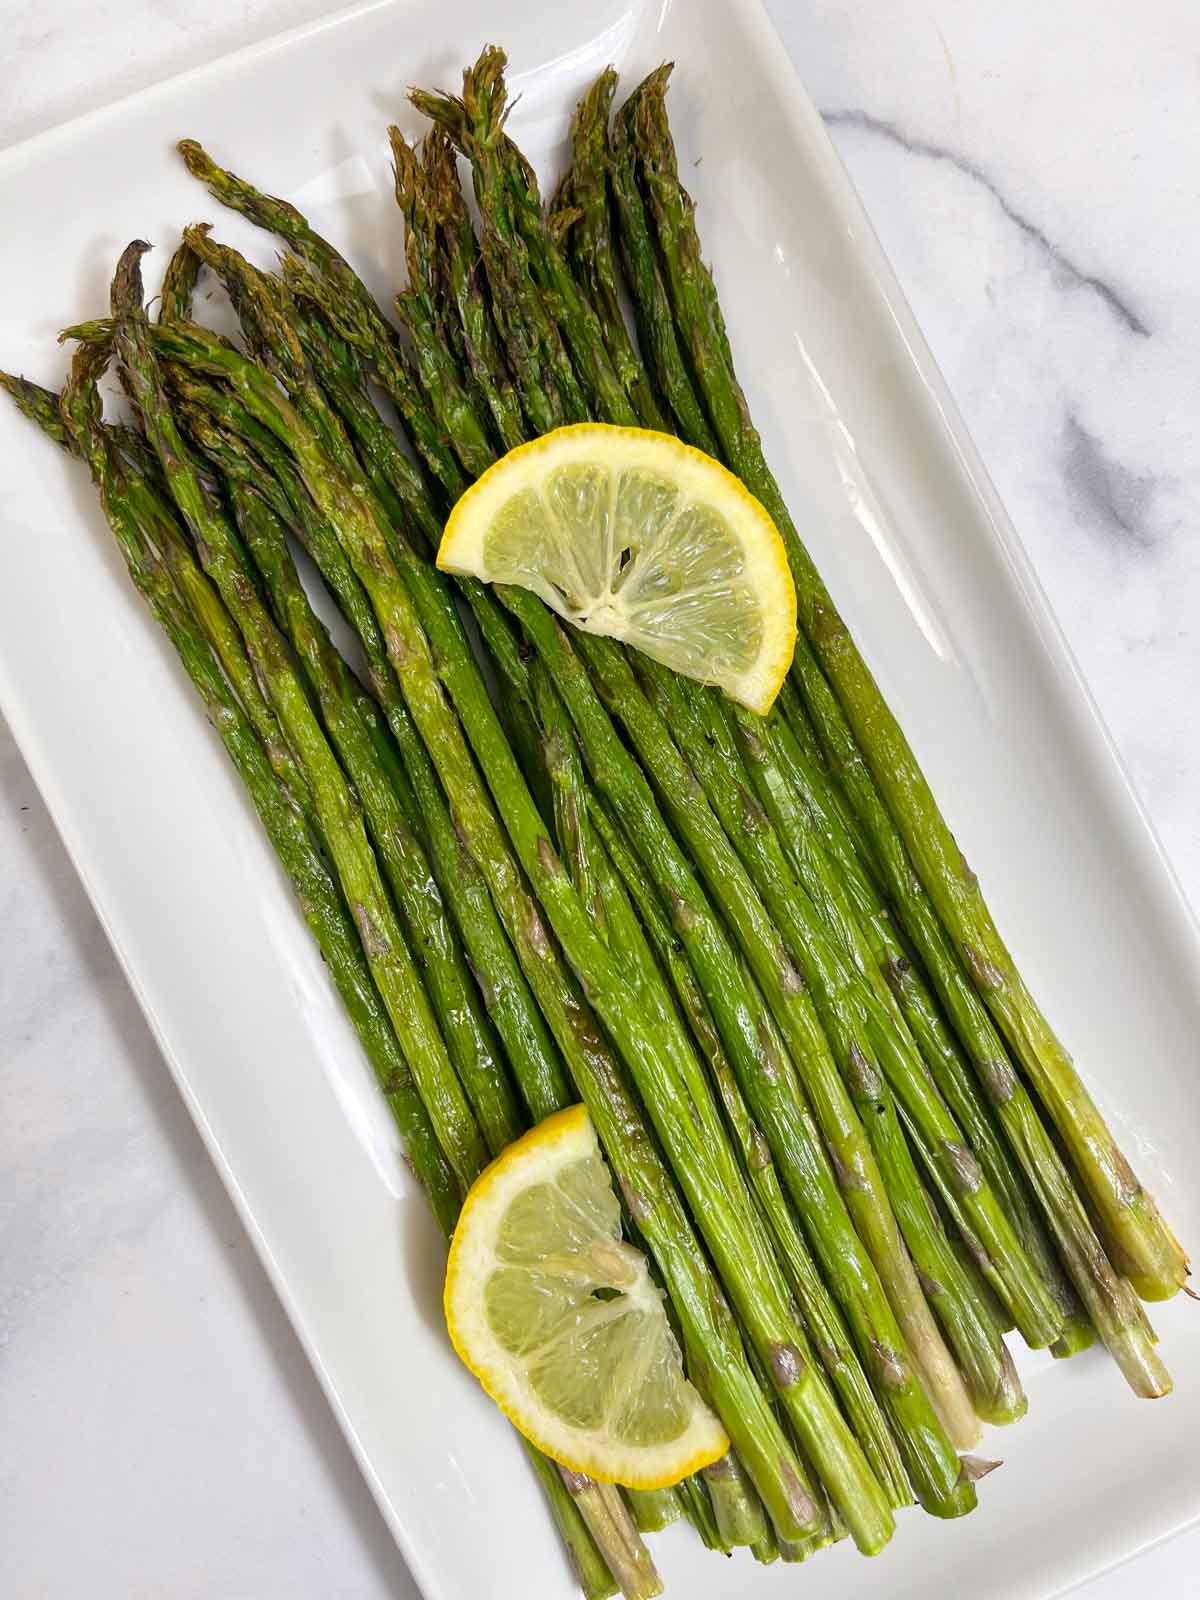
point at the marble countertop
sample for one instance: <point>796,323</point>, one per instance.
<point>1031,170</point>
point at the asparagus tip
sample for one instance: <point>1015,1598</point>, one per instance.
<point>127,294</point>
<point>405,169</point>
<point>593,109</point>
<point>197,160</point>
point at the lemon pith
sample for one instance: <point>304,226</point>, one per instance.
<point>637,536</point>
<point>559,1319</point>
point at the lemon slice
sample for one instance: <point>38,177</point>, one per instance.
<point>637,536</point>
<point>559,1320</point>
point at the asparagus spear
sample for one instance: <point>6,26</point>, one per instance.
<point>654,1509</point>
<point>41,406</point>
<point>134,506</point>
<point>460,268</point>
<point>739,1516</point>
<point>582,216</point>
<point>530,1049</point>
<point>364,320</point>
<point>436,279</point>
<point>795,799</point>
<point>339,812</point>
<point>817,1307</point>
<point>591,1569</point>
<point>700,1514</point>
<point>820,1427</point>
<point>653,1201</point>
<point>904,1393</point>
<point>611,1524</point>
<point>179,284</point>
<point>436,364</point>
<point>1143,1246</point>
<point>507,191</point>
<point>703,736</point>
<point>1107,1298</point>
<point>137,513</point>
<point>532,337</point>
<point>347,712</point>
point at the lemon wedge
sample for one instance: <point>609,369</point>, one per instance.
<point>560,1321</point>
<point>637,536</point>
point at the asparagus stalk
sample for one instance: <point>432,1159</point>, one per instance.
<point>819,1428</point>
<point>591,1569</point>
<point>133,504</point>
<point>774,1096</point>
<point>820,1313</point>
<point>506,186</point>
<point>364,320</point>
<point>460,268</point>
<point>583,219</point>
<point>612,1525</point>
<point>700,1513</point>
<point>179,284</point>
<point>654,1509</point>
<point>448,110</point>
<point>339,812</point>
<point>531,1050</point>
<point>1107,1298</point>
<point>652,1198</point>
<point>347,712</point>
<point>136,514</point>
<point>991,1378</point>
<point>415,305</point>
<point>42,407</point>
<point>739,1515</point>
<point>441,289</point>
<point>1143,1246</point>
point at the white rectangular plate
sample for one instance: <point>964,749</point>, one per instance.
<point>887,488</point>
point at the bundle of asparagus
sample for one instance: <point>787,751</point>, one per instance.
<point>844,1133</point>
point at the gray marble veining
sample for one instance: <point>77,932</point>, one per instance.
<point>1069,273</point>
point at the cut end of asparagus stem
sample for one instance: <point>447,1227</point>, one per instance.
<point>613,1528</point>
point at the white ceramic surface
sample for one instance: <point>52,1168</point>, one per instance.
<point>132,815</point>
